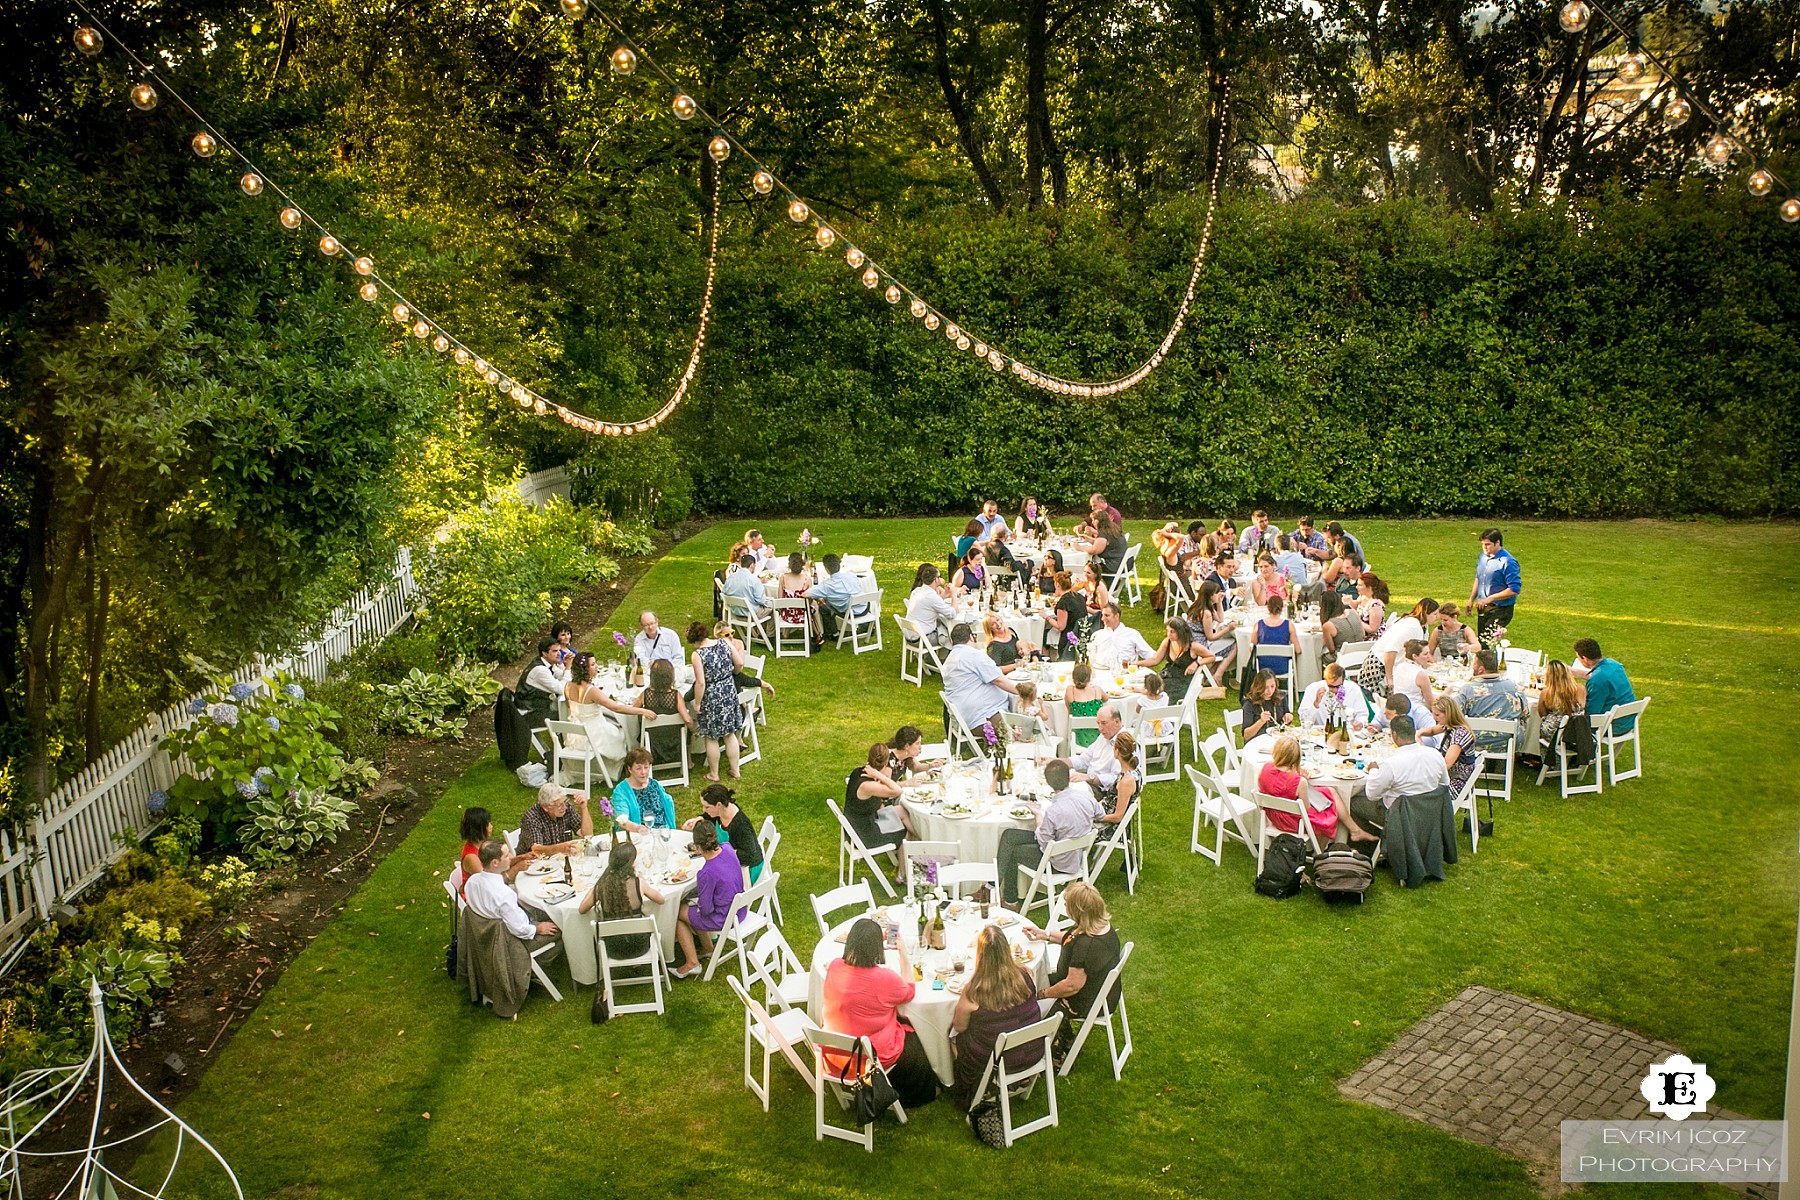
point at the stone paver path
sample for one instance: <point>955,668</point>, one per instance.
<point>1498,1069</point>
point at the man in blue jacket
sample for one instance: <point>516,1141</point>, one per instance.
<point>1497,585</point>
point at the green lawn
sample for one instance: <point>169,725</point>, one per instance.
<point>1667,906</point>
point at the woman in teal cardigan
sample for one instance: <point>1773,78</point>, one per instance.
<point>640,802</point>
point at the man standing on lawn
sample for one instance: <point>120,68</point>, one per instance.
<point>1497,585</point>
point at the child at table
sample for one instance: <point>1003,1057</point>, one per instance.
<point>1029,704</point>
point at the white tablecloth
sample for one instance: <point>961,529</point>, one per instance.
<point>1258,750</point>
<point>1072,559</point>
<point>931,1009</point>
<point>1052,680</point>
<point>977,836</point>
<point>1028,626</point>
<point>1306,658</point>
<point>547,892</point>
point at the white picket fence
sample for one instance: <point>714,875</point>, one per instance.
<point>537,488</point>
<point>77,835</point>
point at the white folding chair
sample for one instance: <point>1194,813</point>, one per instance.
<point>781,1032</point>
<point>834,1059</point>
<point>1234,725</point>
<point>1351,656</point>
<point>1562,757</point>
<point>770,839</point>
<point>1020,1084</point>
<point>858,564</point>
<point>651,960</point>
<point>1266,831</point>
<point>1222,807</point>
<point>674,773</point>
<point>861,626</point>
<point>1220,755</point>
<point>1608,741</point>
<point>773,963</point>
<point>953,877</point>
<point>746,918</point>
<point>1159,741</point>
<point>1531,660</point>
<point>1103,1011</point>
<point>826,907</point>
<point>793,627</point>
<point>584,753</point>
<point>1024,728</point>
<point>751,626</point>
<point>1289,678</point>
<point>537,970</point>
<point>1177,598</point>
<point>1078,725</point>
<point>1495,776</point>
<point>749,741</point>
<point>963,741</point>
<point>917,648</point>
<point>1125,837</point>
<point>852,851</point>
<point>1046,877</point>
<point>1123,584</point>
<point>1464,802</point>
<point>512,840</point>
<point>915,854</point>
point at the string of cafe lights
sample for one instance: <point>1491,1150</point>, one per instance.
<point>91,38</point>
<point>625,60</point>
<point>1576,15</point>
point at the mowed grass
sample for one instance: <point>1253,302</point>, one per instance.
<point>1667,906</point>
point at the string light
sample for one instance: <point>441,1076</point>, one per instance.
<point>574,8</point>
<point>763,182</point>
<point>369,292</point>
<point>684,106</point>
<point>87,40</point>
<point>1631,67</point>
<point>797,211</point>
<point>1575,16</point>
<point>719,149</point>
<point>1719,150</point>
<point>290,218</point>
<point>854,257</point>
<point>871,277</point>
<point>401,313</point>
<point>440,343</point>
<point>143,96</point>
<point>329,246</point>
<point>251,183</point>
<point>825,237</point>
<point>893,293</point>
<point>1678,112</point>
<point>624,61</point>
<point>1790,209</point>
<point>203,144</point>
<point>365,265</point>
<point>1760,183</point>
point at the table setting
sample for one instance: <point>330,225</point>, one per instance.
<point>1031,550</point>
<point>557,885</point>
<point>938,975</point>
<point>1321,765</point>
<point>1123,689</point>
<point>961,805</point>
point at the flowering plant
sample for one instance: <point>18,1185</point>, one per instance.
<point>806,538</point>
<point>619,638</point>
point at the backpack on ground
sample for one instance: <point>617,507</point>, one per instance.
<point>1342,876</point>
<point>1283,863</point>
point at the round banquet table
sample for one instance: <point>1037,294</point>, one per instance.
<point>541,886</point>
<point>1306,658</point>
<point>977,835</point>
<point>1029,627</point>
<point>613,682</point>
<point>1052,679</point>
<point>1030,551</point>
<point>932,1008</point>
<point>1450,677</point>
<point>1333,770</point>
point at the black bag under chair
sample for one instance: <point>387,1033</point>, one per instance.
<point>1342,876</point>
<point>1283,864</point>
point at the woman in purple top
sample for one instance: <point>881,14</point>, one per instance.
<point>719,882</point>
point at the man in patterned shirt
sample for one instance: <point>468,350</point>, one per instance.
<point>552,824</point>
<point>1491,694</point>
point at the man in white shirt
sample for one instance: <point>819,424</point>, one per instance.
<point>654,642</point>
<point>744,584</point>
<point>973,684</point>
<point>1098,765</point>
<point>1413,770</point>
<point>1072,811</point>
<point>1115,641</point>
<point>928,607</point>
<point>489,895</point>
<point>1258,536</point>
<point>762,551</point>
<point>1334,692</point>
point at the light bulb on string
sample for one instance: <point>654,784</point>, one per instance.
<point>492,376</point>
<point>1718,150</point>
<point>421,329</point>
<point>87,40</point>
<point>1678,112</point>
<point>481,367</point>
<point>365,265</point>
<point>870,277</point>
<point>997,362</point>
<point>329,246</point>
<point>1631,67</point>
<point>931,321</point>
<point>1790,210</point>
<point>440,343</point>
<point>962,343</point>
<point>290,218</point>
<point>624,61</point>
<point>250,183</point>
<point>893,293</point>
<point>143,96</point>
<point>981,349</point>
<point>797,211</point>
<point>574,8</point>
<point>951,331</point>
<point>369,291</point>
<point>1575,16</point>
<point>719,148</point>
<point>917,307</point>
<point>203,144</point>
<point>1760,183</point>
<point>684,106</point>
<point>461,356</point>
<point>854,257</point>
<point>401,313</point>
<point>763,182</point>
<point>825,237</point>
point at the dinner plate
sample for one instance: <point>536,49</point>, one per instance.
<point>1019,814</point>
<point>1345,771</point>
<point>956,816</point>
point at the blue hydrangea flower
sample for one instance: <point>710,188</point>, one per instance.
<point>158,803</point>
<point>293,691</point>
<point>242,691</point>
<point>224,714</point>
<point>196,706</point>
<point>248,789</point>
<point>262,777</point>
<point>274,723</point>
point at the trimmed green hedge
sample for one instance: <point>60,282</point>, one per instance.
<point>1636,357</point>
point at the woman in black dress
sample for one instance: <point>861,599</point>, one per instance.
<point>1067,616</point>
<point>1090,951</point>
<point>1179,659</point>
<point>621,893</point>
<point>870,789</point>
<point>999,997</point>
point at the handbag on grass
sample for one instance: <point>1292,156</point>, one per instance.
<point>599,1014</point>
<point>988,1125</point>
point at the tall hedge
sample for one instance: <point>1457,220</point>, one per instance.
<point>1634,356</point>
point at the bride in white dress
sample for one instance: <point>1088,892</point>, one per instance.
<point>594,711</point>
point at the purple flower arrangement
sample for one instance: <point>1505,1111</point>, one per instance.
<point>619,638</point>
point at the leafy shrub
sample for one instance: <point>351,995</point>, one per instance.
<point>435,705</point>
<point>496,578</point>
<point>130,979</point>
<point>282,828</point>
<point>148,914</point>
<point>248,741</point>
<point>229,880</point>
<point>179,838</point>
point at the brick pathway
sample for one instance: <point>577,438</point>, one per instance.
<point>1498,1069</point>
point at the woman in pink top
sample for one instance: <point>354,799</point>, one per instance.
<point>1281,777</point>
<point>863,999</point>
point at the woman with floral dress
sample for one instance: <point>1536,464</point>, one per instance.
<point>716,711</point>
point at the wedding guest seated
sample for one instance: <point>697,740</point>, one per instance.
<point>1167,541</point>
<point>992,523</point>
<point>1027,703</point>
<point>971,534</point>
<point>1098,507</point>
<point>1259,536</point>
<point>653,643</point>
<point>1268,581</point>
<point>1451,640</point>
<point>1412,770</point>
<point>1562,697</point>
<point>1337,626</point>
<point>1490,695</point>
<point>904,749</point>
<point>598,714</point>
<point>1411,679</point>
<point>718,805</point>
<point>1274,629</point>
<point>1067,619</point>
<point>489,894</point>
<point>1049,567</point>
<point>971,573</point>
<point>1090,950</point>
<point>1152,688</point>
<point>1334,530</point>
<point>1224,574</point>
<point>620,894</point>
<point>1332,695</point>
<point>1003,645</point>
<point>1098,765</point>
<point>1127,783</point>
<point>536,695</point>
<point>1265,705</point>
<point>1106,549</point>
<point>1281,777</point>
<point>999,997</point>
<point>1115,643</point>
<point>1225,535</point>
<point>553,824</point>
<point>1456,740</point>
<point>564,650</point>
<point>1395,706</point>
<point>1216,628</point>
<point>1033,523</point>
<point>833,595</point>
<point>974,686</point>
<point>717,886</point>
<point>721,575</point>
<point>639,801</point>
<point>862,998</point>
<point>1083,698</point>
<point>1071,812</point>
<point>928,606</point>
<point>663,698</point>
<point>872,804</point>
<point>743,584</point>
<point>1179,658</point>
<point>1091,587</point>
<point>478,827</point>
<point>1343,574</point>
<point>793,584</point>
<point>1606,682</point>
<point>1292,565</point>
<point>1371,605</point>
<point>754,544</point>
<point>1310,542</point>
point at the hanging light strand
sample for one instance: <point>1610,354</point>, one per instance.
<point>210,140</point>
<point>874,275</point>
<point>1575,16</point>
